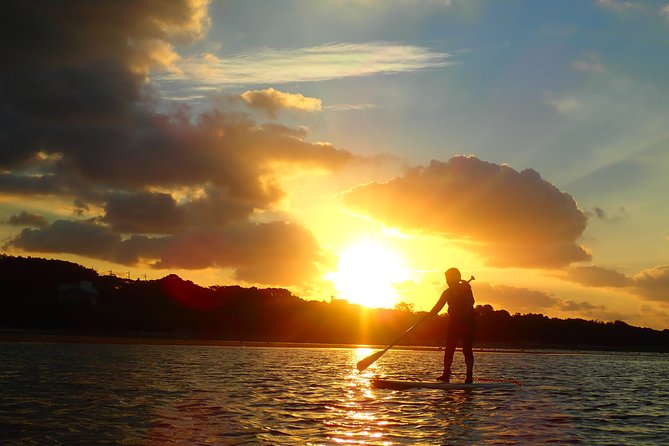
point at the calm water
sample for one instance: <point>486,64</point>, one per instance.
<point>53,394</point>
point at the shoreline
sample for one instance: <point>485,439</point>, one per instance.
<point>143,339</point>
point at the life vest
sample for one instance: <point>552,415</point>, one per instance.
<point>461,302</point>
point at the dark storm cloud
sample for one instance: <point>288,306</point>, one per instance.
<point>28,185</point>
<point>80,61</point>
<point>75,237</point>
<point>271,253</point>
<point>28,219</point>
<point>78,124</point>
<point>513,218</point>
<point>143,212</point>
<point>76,86</point>
<point>45,181</point>
<point>159,213</point>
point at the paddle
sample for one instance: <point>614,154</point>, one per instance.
<point>371,359</point>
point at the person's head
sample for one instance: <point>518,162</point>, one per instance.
<point>453,276</point>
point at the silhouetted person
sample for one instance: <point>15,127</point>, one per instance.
<point>461,324</point>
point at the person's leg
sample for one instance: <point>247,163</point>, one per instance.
<point>449,349</point>
<point>467,350</point>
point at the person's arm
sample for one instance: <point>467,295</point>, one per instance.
<point>440,304</point>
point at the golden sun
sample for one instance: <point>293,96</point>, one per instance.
<point>366,274</point>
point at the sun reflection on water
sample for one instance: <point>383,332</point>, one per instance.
<point>359,421</point>
<point>361,352</point>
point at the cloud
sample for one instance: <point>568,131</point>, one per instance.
<point>271,101</point>
<point>325,62</point>
<point>80,208</point>
<point>653,283</point>
<point>276,253</point>
<point>74,94</point>
<point>650,284</point>
<point>583,306</point>
<point>72,62</point>
<point>619,5</point>
<point>160,213</point>
<point>601,214</point>
<point>513,297</point>
<point>589,62</point>
<point>63,236</point>
<point>348,107</point>
<point>80,125</point>
<point>565,105</point>
<point>143,212</point>
<point>517,299</point>
<point>595,276</point>
<point>28,219</point>
<point>510,218</point>
<point>272,253</point>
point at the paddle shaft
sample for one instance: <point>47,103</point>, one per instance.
<point>369,360</point>
<point>406,332</point>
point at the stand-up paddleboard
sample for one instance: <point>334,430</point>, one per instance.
<point>400,384</point>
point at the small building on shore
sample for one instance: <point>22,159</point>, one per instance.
<point>83,293</point>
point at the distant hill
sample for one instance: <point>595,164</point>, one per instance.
<point>63,297</point>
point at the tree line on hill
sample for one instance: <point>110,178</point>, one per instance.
<point>64,297</point>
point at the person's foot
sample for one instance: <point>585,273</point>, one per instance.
<point>469,379</point>
<point>444,377</point>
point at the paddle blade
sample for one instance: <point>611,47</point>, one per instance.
<point>369,360</point>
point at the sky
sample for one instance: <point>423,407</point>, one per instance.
<point>349,149</point>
